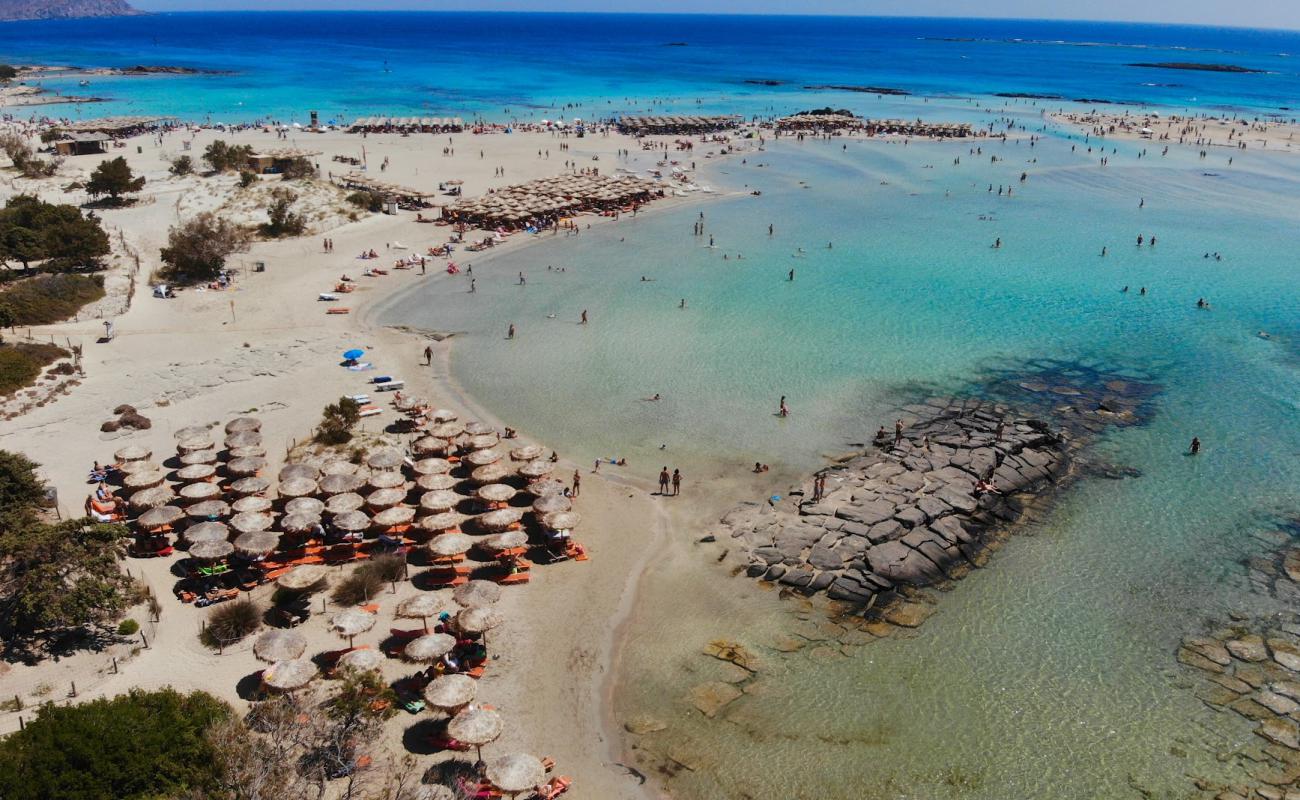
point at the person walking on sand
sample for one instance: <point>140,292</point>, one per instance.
<point>472,281</point>
<point>677,482</point>
<point>428,355</point>
<point>510,333</point>
<point>577,483</point>
<point>663,481</point>
<point>584,317</point>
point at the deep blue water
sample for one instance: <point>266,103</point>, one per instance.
<point>515,65</point>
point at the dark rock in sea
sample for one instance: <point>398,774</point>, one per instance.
<point>1195,66</point>
<point>763,82</point>
<point>833,87</point>
<point>1028,96</point>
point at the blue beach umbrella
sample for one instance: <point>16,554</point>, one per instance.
<point>354,354</point>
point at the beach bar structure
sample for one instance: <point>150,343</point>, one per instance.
<point>874,127</point>
<point>545,201</point>
<point>407,125</point>
<point>273,161</point>
<point>82,144</point>
<point>820,122</point>
<point>677,125</point>
<point>405,197</point>
<point>116,127</point>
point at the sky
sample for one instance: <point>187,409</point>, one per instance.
<point>1247,13</point>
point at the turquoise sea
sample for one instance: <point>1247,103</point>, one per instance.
<point>1052,673</point>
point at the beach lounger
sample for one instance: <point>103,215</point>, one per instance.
<point>370,411</point>
<point>554,788</point>
<point>390,386</point>
<point>512,578</point>
<point>327,297</point>
<point>361,367</point>
<point>359,398</point>
<point>381,379</point>
<point>338,310</point>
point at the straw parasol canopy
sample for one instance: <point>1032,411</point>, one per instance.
<point>207,532</point>
<point>339,467</point>
<point>515,773</point>
<point>561,520</point>
<point>352,622</point>
<point>428,445</point>
<point>546,487</point>
<point>477,727</point>
<point>342,503</point>
<point>365,660</point>
<point>251,522</point>
<point>152,498</point>
<point>244,439</point>
<point>490,473</point>
<point>480,458</point>
<point>447,430</point>
<point>483,441</point>
<point>201,491</point>
<point>526,452</point>
<point>495,492</point>
<point>409,402</point>
<point>145,479</point>
<point>537,468</point>
<point>277,645</point>
<point>305,505</point>
<point>247,451</point>
<point>477,593</point>
<point>211,551</point>
<point>437,523</point>
<point>299,522</point>
<point>257,543</point>
<point>479,620</point>
<point>302,577</point>
<point>299,471</point>
<point>132,452</point>
<point>244,425</point>
<point>443,415</point>
<point>386,480</point>
<point>199,457</point>
<point>340,484</point>
<point>208,509</point>
<point>195,444</point>
<point>385,498</point>
<point>450,691</point>
<point>254,484</point>
<point>435,483</point>
<point>450,544</point>
<point>196,472</point>
<point>432,466</point>
<point>191,432</point>
<point>243,467</point>
<point>289,675</point>
<point>397,515</point>
<point>133,467</point>
<point>476,428</point>
<point>385,458</point>
<point>429,647</point>
<point>499,520</point>
<point>251,503</point>
<point>438,501</point>
<point>551,504</point>
<point>505,541</point>
<point>159,517</point>
<point>421,606</point>
<point>298,487</point>
<point>351,521</point>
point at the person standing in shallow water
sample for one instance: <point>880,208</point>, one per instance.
<point>677,482</point>
<point>1196,446</point>
<point>663,480</point>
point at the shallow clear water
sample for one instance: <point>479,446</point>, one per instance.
<point>1052,673</point>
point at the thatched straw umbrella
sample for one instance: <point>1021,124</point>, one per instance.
<point>289,675</point>
<point>483,441</point>
<point>526,452</point>
<point>132,452</point>
<point>397,515</point>
<point>432,466</point>
<point>196,472</point>
<point>244,439</point>
<point>135,467</point>
<point>490,473</point>
<point>547,487</point>
<point>305,505</point>
<point>385,458</point>
<point>447,430</point>
<point>299,523</point>
<point>437,523</point>
<point>195,444</point>
<point>429,446</point>
<point>299,471</point>
<point>251,522</point>
<point>340,484</point>
<point>146,499</point>
<point>495,493</point>
<point>409,402</point>
<point>201,491</point>
<point>450,544</point>
<point>436,483</point>
<point>257,543</point>
<point>298,487</point>
<point>351,623</point>
<point>504,541</point>
<point>477,727</point>
<point>245,467</point>
<point>385,498</point>
<point>343,503</point>
<point>476,428</point>
<point>247,451</point>
<point>535,469</point>
<point>251,503</point>
<point>243,425</point>
<point>551,504</point>
<point>476,594</point>
<point>479,620</point>
<point>481,458</point>
<point>145,479</point>
<point>499,520</point>
<point>159,517</point>
<point>207,532</point>
<point>439,501</point>
<point>561,520</point>
<point>199,457</point>
<point>277,645</point>
<point>428,648</point>
<point>251,485</point>
<point>450,692</point>
<point>516,773</point>
<point>208,510</point>
<point>386,480</point>
<point>211,551</point>
<point>339,467</point>
<point>303,578</point>
<point>351,521</point>
<point>192,432</point>
<point>443,415</point>
<point>422,606</point>
<point>366,660</point>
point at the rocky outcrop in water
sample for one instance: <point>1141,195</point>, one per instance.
<point>64,9</point>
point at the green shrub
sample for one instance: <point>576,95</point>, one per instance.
<point>388,568</point>
<point>358,587</point>
<point>337,421</point>
<point>21,364</point>
<point>230,622</point>
<point>182,165</point>
<point>47,299</point>
<point>247,179</point>
<point>223,157</point>
<point>128,627</point>
<point>370,201</point>
<point>297,169</point>
<point>282,220</point>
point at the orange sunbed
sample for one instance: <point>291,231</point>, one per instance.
<point>338,310</point>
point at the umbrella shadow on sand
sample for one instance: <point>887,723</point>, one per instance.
<point>421,737</point>
<point>249,687</point>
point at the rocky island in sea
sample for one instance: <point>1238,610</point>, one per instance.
<point>64,9</point>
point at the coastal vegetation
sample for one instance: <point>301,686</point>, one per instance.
<point>370,201</point>
<point>24,159</point>
<point>181,165</point>
<point>114,178</point>
<point>46,299</point>
<point>282,220</point>
<point>59,236</point>
<point>337,421</point>
<point>222,157</point>
<point>298,169</point>
<point>229,623</point>
<point>197,250</point>
<point>21,362</point>
<point>7,72</point>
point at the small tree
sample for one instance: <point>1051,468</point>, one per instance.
<point>24,160</point>
<point>182,165</point>
<point>298,169</point>
<point>370,201</point>
<point>19,486</point>
<point>6,320</point>
<point>197,250</point>
<point>223,157</point>
<point>114,178</point>
<point>33,230</point>
<point>282,219</point>
<point>338,420</point>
